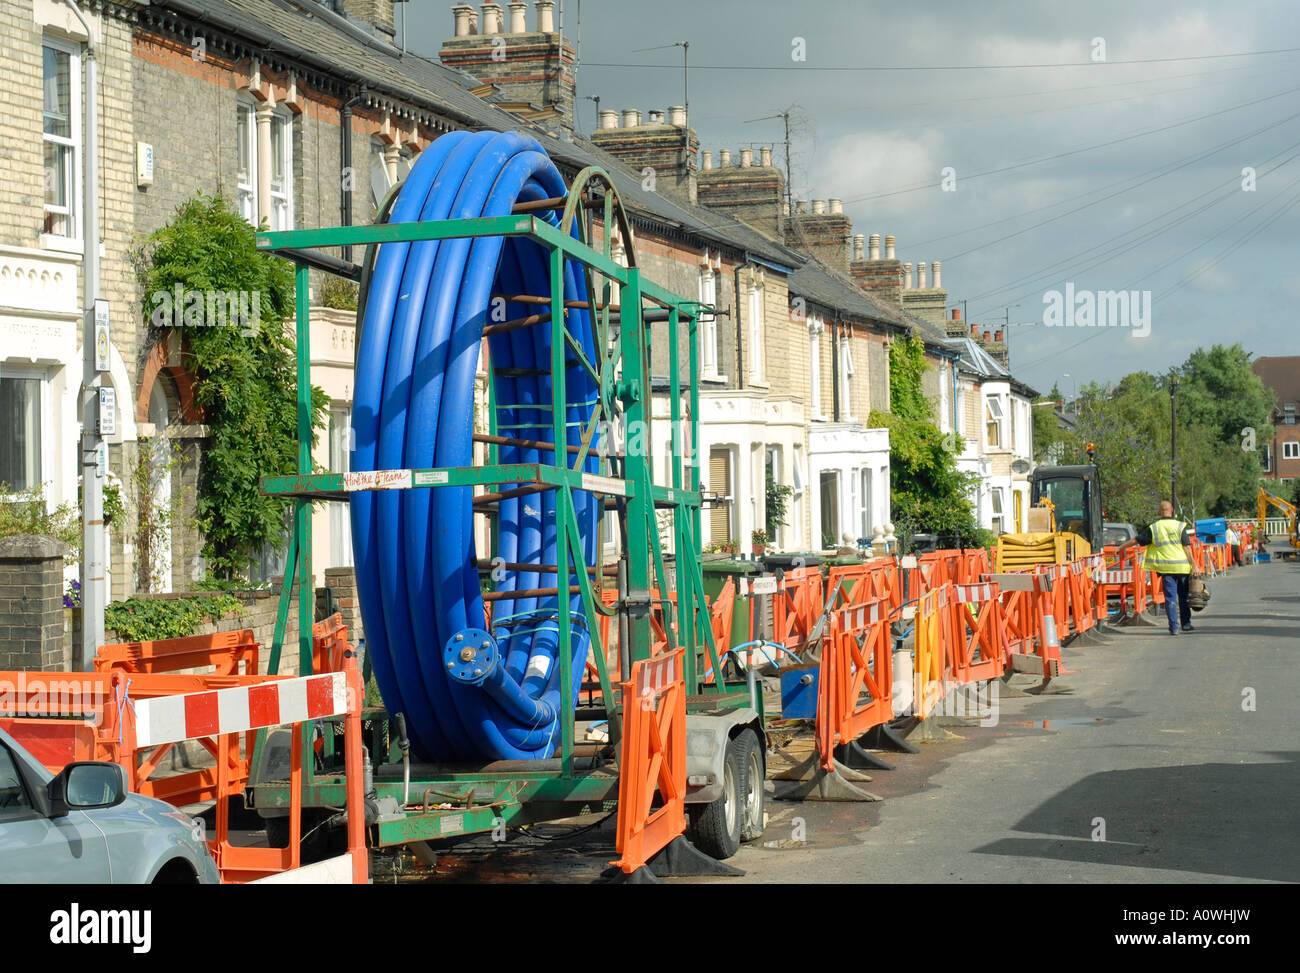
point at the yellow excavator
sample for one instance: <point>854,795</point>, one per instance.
<point>1266,498</point>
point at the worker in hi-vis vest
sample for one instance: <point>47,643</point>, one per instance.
<point>1169,553</point>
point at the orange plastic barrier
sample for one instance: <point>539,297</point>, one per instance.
<point>653,759</point>
<point>858,583</point>
<point>39,717</point>
<point>979,650</point>
<point>796,606</point>
<point>857,659</point>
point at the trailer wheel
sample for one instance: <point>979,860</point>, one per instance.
<point>715,828</point>
<point>754,795</point>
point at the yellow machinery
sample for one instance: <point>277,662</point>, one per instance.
<point>1046,542</point>
<point>1266,498</point>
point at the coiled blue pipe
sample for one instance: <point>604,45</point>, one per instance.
<point>414,550</point>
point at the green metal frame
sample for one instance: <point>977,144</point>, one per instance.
<point>476,796</point>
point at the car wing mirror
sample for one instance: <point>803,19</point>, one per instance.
<point>86,785</point>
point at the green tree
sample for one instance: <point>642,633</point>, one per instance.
<point>245,383</point>
<point>1047,430</point>
<point>927,492</point>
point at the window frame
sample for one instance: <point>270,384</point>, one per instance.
<point>74,143</point>
<point>246,192</point>
<point>282,199</point>
<point>846,377</point>
<point>993,422</point>
<point>816,325</point>
<point>1291,449</point>
<point>708,324</point>
<point>997,517</point>
<point>45,451</point>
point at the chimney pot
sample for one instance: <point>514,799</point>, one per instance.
<point>974,330</point>
<point>545,17</point>
<point>491,18</point>
<point>997,335</point>
<point>873,247</point>
<point>473,22</point>
<point>819,206</point>
<point>988,336</point>
<point>677,115</point>
<point>934,268</point>
<point>801,206</point>
<point>608,118</point>
<point>707,158</point>
<point>631,117</point>
<point>836,205</point>
<point>746,158</point>
<point>889,246</point>
<point>907,276</point>
<point>518,17</point>
<point>724,158</point>
<point>956,314</point>
<point>858,238</point>
<point>461,14</point>
<point>920,275</point>
<point>765,157</point>
<point>656,116</point>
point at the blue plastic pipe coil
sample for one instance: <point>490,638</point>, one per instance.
<point>467,693</point>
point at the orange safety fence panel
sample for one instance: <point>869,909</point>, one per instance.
<point>979,647</point>
<point>653,759</point>
<point>796,606</point>
<point>855,678</point>
<point>226,652</point>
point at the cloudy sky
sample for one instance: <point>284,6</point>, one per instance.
<point>1100,145</point>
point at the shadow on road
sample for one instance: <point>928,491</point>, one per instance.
<point>1235,820</point>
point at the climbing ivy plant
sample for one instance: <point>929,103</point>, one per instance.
<point>243,368</point>
<point>928,494</point>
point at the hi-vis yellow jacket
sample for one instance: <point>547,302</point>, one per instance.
<point>1164,554</point>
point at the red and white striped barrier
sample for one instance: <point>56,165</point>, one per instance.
<point>970,594</point>
<point>170,719</point>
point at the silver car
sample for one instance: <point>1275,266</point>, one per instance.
<point>82,826</point>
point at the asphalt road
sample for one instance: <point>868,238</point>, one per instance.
<point>1180,752</point>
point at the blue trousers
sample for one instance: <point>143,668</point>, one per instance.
<point>1175,587</point>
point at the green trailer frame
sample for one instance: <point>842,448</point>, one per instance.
<point>463,799</point>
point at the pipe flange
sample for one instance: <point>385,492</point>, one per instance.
<point>470,656</point>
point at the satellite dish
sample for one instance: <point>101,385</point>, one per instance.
<point>1020,466</point>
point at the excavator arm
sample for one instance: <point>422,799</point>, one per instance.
<point>1289,509</point>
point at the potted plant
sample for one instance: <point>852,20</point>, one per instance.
<point>759,540</point>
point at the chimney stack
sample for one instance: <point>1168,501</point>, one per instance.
<point>988,336</point>
<point>873,247</point>
<point>537,67</point>
<point>997,335</point>
<point>974,330</point>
